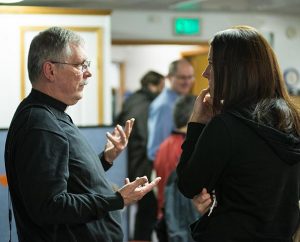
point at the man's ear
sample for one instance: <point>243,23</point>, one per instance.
<point>49,71</point>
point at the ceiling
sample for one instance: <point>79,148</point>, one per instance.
<point>290,7</point>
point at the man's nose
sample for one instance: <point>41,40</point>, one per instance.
<point>87,73</point>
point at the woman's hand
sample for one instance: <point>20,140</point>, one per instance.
<point>202,202</point>
<point>202,112</point>
<point>117,141</point>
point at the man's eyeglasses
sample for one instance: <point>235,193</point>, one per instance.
<point>185,78</point>
<point>82,66</point>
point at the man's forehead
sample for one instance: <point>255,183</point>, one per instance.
<point>78,51</point>
<point>184,67</point>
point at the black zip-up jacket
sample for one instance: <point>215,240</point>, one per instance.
<point>255,172</point>
<point>56,180</point>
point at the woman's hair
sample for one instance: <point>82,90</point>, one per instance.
<point>247,74</point>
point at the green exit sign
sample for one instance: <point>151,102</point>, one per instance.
<point>187,26</point>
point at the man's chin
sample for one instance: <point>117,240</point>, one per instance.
<point>185,91</point>
<point>75,100</point>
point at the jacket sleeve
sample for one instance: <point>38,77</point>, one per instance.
<point>105,164</point>
<point>205,154</point>
<point>42,172</point>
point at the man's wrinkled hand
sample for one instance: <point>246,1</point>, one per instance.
<point>117,141</point>
<point>134,191</point>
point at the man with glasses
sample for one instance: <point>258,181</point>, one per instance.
<point>56,181</point>
<point>83,66</point>
<point>160,119</point>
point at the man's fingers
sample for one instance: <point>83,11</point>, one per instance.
<point>128,127</point>
<point>147,188</point>
<point>127,181</point>
<point>156,181</point>
<point>139,181</point>
<point>134,191</point>
<point>114,139</point>
<point>121,133</point>
<point>111,138</point>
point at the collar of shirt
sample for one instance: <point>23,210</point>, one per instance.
<point>48,100</point>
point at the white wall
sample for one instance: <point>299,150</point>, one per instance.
<point>10,67</point>
<point>141,58</point>
<point>158,26</point>
<point>134,26</point>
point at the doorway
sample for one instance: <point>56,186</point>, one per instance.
<point>198,59</point>
<point>138,58</point>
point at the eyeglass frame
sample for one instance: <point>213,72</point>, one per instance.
<point>84,65</point>
<point>183,77</point>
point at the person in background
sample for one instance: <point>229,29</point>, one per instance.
<point>169,151</point>
<point>175,213</point>
<point>243,142</point>
<point>136,106</point>
<point>56,181</point>
<point>160,120</point>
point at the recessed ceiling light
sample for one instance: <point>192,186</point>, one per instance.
<point>10,1</point>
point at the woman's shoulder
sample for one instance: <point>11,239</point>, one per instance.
<point>223,117</point>
<point>226,119</point>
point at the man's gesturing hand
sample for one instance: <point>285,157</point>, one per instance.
<point>134,191</point>
<point>117,141</point>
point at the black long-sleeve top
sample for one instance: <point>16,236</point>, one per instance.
<point>255,172</point>
<point>56,180</point>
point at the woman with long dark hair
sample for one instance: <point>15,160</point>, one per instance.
<point>243,144</point>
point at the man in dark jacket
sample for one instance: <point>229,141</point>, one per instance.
<point>57,182</point>
<point>136,106</point>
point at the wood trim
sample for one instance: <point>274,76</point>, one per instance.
<point>52,10</point>
<point>200,50</point>
<point>100,67</point>
<point>156,42</point>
